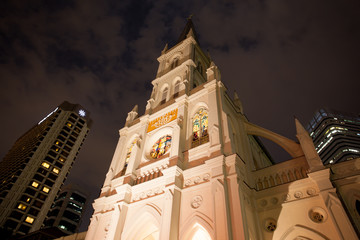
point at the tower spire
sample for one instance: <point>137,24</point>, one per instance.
<point>188,28</point>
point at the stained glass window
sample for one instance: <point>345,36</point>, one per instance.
<point>161,147</point>
<point>200,128</point>
<point>128,154</point>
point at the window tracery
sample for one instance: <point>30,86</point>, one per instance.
<point>160,147</point>
<point>200,128</point>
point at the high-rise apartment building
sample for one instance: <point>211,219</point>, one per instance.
<point>33,171</point>
<point>336,135</point>
<point>68,209</point>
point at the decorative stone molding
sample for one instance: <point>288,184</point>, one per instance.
<point>206,177</point>
<point>196,201</point>
<point>287,197</point>
<point>274,200</point>
<point>270,225</point>
<point>298,194</point>
<point>147,194</point>
<point>318,215</point>
<point>180,121</point>
<point>197,179</point>
<point>263,203</point>
<point>310,191</point>
<point>277,174</point>
<point>188,182</point>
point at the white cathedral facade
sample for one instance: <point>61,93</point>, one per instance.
<point>192,167</point>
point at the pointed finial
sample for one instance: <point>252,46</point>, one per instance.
<point>165,48</point>
<point>135,109</point>
<point>236,97</point>
<point>237,102</point>
<point>191,33</point>
<point>190,16</point>
<point>131,116</point>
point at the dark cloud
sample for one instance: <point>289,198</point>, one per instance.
<point>283,59</point>
<point>247,43</point>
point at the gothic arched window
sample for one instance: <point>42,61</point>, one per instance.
<point>200,68</point>
<point>128,154</point>
<point>175,63</point>
<point>176,89</point>
<point>160,147</point>
<point>200,128</point>
<point>164,95</point>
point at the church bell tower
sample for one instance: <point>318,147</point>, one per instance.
<point>191,167</point>
<point>171,177</point>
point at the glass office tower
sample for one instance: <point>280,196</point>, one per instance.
<point>68,208</point>
<point>336,135</point>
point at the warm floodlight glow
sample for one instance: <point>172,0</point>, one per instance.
<point>201,233</point>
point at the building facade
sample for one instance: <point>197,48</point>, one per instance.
<point>192,167</point>
<point>336,135</point>
<point>35,168</point>
<point>67,210</point>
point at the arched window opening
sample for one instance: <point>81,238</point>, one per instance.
<point>175,63</point>
<point>164,95</point>
<point>153,236</point>
<point>357,205</point>
<point>200,68</point>
<point>161,147</point>
<point>201,233</point>
<point>200,128</point>
<point>177,89</point>
<point>128,154</point>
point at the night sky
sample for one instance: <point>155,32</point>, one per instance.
<point>283,58</point>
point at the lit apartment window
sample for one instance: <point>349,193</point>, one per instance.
<point>46,189</point>
<point>69,124</point>
<point>29,220</point>
<point>35,184</point>
<point>61,159</point>
<point>22,207</point>
<point>45,165</point>
<point>25,198</point>
<point>56,170</point>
